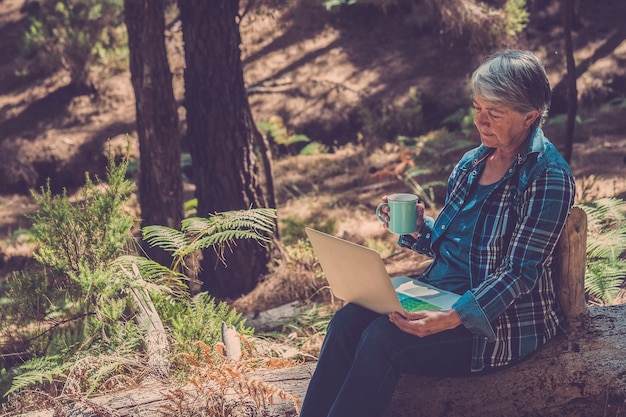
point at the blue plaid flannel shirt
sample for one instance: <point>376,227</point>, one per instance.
<point>511,306</point>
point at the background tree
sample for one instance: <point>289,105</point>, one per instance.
<point>567,6</point>
<point>222,138</point>
<point>160,178</point>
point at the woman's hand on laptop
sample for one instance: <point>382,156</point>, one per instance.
<point>424,323</point>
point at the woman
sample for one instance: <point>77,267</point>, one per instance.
<point>506,203</point>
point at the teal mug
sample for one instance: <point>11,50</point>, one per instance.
<point>402,213</point>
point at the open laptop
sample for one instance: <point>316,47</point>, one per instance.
<point>357,274</point>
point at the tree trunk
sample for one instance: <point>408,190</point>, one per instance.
<point>572,92</point>
<point>160,178</point>
<point>222,138</point>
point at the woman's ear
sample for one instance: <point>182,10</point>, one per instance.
<point>530,118</point>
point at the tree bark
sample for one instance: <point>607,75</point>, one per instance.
<point>160,178</point>
<point>223,139</point>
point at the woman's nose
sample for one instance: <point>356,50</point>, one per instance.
<point>480,118</point>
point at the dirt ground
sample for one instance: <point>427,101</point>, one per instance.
<point>315,70</point>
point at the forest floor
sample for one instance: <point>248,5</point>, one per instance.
<point>316,70</point>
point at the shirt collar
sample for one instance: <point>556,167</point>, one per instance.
<point>533,144</point>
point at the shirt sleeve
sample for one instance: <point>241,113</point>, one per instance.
<point>544,209</point>
<point>422,243</point>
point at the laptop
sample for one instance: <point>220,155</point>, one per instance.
<point>358,275</point>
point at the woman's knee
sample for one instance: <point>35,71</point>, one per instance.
<point>352,316</point>
<point>381,334</point>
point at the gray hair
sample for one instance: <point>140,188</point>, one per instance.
<point>515,79</point>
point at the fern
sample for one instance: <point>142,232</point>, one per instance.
<point>606,245</point>
<point>166,238</point>
<point>38,371</point>
<point>198,320</point>
<point>216,231</point>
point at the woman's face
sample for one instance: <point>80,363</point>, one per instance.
<point>501,127</point>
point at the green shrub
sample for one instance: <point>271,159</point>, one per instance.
<point>198,319</point>
<point>76,34</point>
<point>69,305</point>
<point>381,123</point>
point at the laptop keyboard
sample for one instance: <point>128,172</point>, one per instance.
<point>413,304</point>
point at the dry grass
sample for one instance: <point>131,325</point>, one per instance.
<point>221,388</point>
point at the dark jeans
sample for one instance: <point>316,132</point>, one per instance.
<point>363,356</point>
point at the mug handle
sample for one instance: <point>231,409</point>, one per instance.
<point>380,206</point>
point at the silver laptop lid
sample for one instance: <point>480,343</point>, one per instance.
<point>355,273</point>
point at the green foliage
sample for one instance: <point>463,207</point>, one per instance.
<point>382,123</point>
<point>76,34</point>
<point>91,231</point>
<point>309,324</point>
<point>71,303</point>
<point>216,231</point>
<point>331,4</point>
<point>293,228</point>
<point>74,310</point>
<point>285,139</point>
<point>199,319</point>
<point>517,16</point>
<point>606,246</point>
<point>616,103</point>
<point>38,371</point>
<point>434,156</point>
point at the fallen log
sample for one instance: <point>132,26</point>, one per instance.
<point>572,376</point>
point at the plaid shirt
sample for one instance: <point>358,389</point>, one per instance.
<point>511,306</point>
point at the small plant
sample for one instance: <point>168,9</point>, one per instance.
<point>217,231</point>
<point>606,246</point>
<point>198,319</point>
<point>285,139</point>
<point>75,312</point>
<point>89,232</point>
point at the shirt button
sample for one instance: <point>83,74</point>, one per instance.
<point>443,226</point>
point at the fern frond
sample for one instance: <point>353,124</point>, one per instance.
<point>149,269</point>
<point>219,239</point>
<point>164,237</point>
<point>606,245</point>
<point>140,272</point>
<point>37,371</point>
<point>603,280</point>
<point>261,219</point>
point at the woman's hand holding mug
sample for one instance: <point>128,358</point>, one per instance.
<point>401,213</point>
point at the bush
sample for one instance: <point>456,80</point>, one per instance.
<point>381,123</point>
<point>75,34</point>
